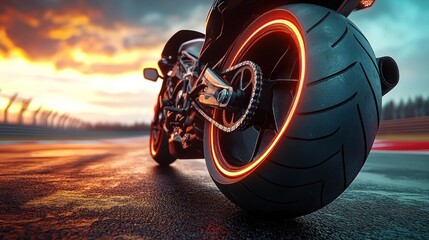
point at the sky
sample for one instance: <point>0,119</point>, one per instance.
<point>86,58</point>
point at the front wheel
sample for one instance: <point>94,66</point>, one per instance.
<point>158,141</point>
<point>316,122</point>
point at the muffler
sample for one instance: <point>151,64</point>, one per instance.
<point>389,73</point>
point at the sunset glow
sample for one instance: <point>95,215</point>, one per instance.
<point>86,57</point>
<point>76,57</point>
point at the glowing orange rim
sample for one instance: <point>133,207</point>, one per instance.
<point>237,173</point>
<point>152,149</point>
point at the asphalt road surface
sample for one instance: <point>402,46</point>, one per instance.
<point>113,189</point>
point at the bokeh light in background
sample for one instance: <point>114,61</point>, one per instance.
<point>86,57</point>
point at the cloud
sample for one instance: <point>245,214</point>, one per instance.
<point>3,48</point>
<point>31,40</point>
<point>399,29</point>
<point>105,43</point>
<point>87,36</point>
<point>120,104</point>
<point>112,68</point>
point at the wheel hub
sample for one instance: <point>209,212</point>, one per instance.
<point>245,88</point>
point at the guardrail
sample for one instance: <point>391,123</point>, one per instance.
<point>38,117</point>
<point>406,125</point>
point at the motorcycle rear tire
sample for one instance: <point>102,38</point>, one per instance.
<point>331,131</point>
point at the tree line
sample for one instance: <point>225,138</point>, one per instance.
<point>417,107</point>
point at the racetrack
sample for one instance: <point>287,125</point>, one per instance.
<point>112,188</point>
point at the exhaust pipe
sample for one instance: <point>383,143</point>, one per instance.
<point>389,73</point>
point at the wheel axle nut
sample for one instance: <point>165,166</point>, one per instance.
<point>223,96</point>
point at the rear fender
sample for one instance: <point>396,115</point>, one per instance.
<point>192,47</point>
<point>224,24</point>
<point>171,48</point>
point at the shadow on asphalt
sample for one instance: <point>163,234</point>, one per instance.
<point>115,190</point>
<point>197,203</point>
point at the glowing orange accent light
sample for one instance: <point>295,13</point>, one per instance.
<point>152,150</point>
<point>366,3</point>
<point>237,173</point>
<point>151,143</point>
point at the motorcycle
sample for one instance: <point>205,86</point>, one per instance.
<point>281,97</point>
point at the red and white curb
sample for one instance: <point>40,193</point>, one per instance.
<point>414,147</point>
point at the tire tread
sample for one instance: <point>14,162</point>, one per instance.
<point>264,198</point>
<point>373,94</point>
<point>336,74</point>
<point>341,38</point>
<point>315,138</point>
<point>366,51</point>
<point>338,105</point>
<point>319,22</point>
<point>307,167</point>
<point>363,131</point>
